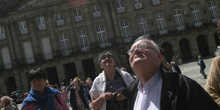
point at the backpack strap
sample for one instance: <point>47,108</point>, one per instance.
<point>58,99</point>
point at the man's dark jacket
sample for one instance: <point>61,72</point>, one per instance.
<point>73,101</point>
<point>178,93</point>
<point>177,69</point>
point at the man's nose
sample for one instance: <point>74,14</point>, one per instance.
<point>136,50</point>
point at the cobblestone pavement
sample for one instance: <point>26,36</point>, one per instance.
<point>190,70</point>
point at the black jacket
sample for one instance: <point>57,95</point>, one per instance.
<point>73,101</point>
<point>177,69</point>
<point>178,93</point>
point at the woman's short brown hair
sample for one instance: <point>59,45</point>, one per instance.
<point>76,78</point>
<point>37,73</point>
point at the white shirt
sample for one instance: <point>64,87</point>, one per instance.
<point>173,69</point>
<point>148,97</point>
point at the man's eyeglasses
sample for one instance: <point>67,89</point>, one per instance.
<point>140,47</point>
<point>106,56</point>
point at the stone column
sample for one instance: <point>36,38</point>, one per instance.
<point>60,72</point>
<point>79,69</point>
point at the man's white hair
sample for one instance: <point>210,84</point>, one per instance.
<point>143,37</point>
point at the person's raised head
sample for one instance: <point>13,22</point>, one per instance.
<point>104,55</point>
<point>88,80</point>
<point>106,60</point>
<point>149,44</point>
<point>145,57</point>
<point>76,81</point>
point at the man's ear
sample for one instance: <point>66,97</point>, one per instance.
<point>101,66</point>
<point>160,56</point>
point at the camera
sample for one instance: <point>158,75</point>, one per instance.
<point>115,95</point>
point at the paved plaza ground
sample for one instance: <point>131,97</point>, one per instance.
<point>191,70</point>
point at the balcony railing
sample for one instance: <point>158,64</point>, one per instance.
<point>30,60</point>
<point>154,31</point>
<point>85,49</point>
<point>7,65</point>
<point>78,18</point>
<point>104,45</point>
<point>51,2</point>
<point>128,40</point>
<point>60,22</point>
<point>138,6</point>
<point>180,28</point>
<point>215,20</point>
<point>24,31</point>
<point>48,56</point>
<point>121,10</point>
<point>96,14</point>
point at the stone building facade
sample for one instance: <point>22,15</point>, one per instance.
<point>66,40</point>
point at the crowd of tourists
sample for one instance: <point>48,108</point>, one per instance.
<point>158,85</point>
